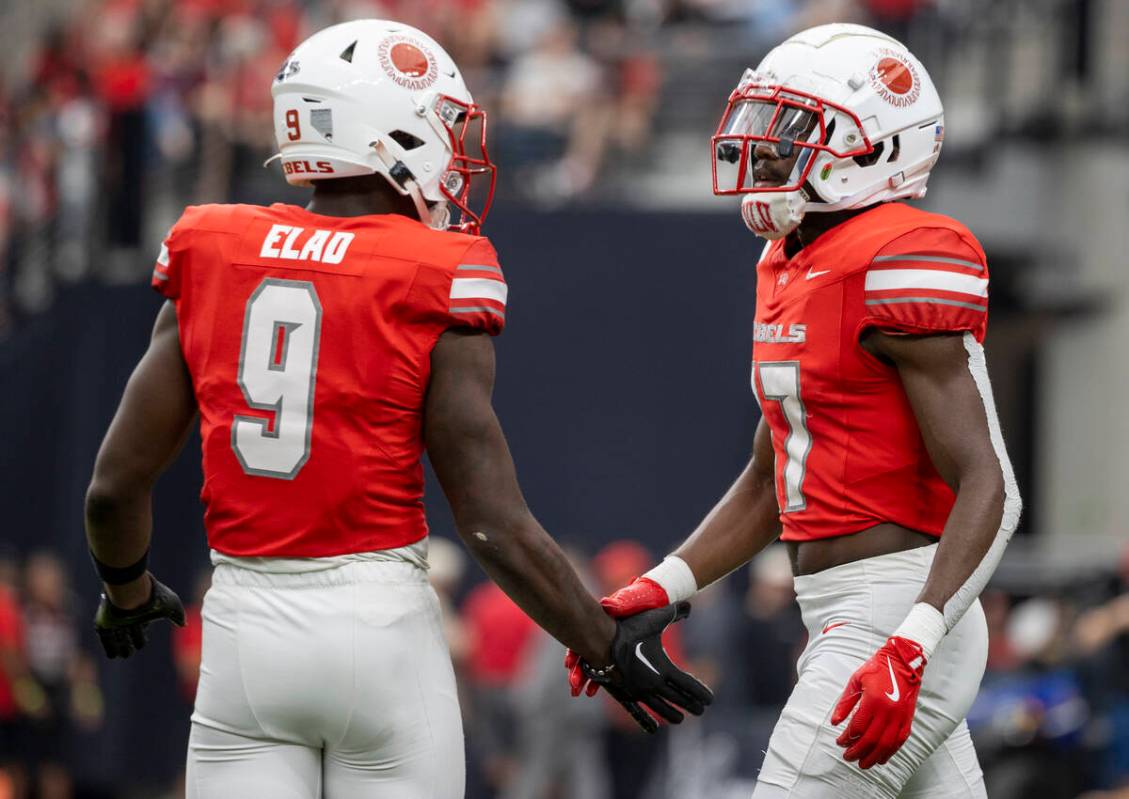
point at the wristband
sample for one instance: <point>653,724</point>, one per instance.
<point>120,575</point>
<point>925,626</point>
<point>675,577</point>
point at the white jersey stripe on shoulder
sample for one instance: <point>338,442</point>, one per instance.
<point>938,259</point>
<point>479,268</point>
<point>940,280</point>
<point>163,256</point>
<point>479,288</point>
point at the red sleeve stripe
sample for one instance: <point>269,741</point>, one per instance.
<point>928,279</point>
<point>937,259</point>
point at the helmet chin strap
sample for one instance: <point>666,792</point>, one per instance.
<point>438,216</point>
<point>773,215</point>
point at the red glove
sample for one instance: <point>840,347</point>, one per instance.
<point>577,682</point>
<point>885,690</point>
<point>639,595</point>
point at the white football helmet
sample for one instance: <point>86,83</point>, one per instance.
<point>377,96</point>
<point>859,107</point>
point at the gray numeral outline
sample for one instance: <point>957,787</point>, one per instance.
<point>802,504</point>
<point>276,407</point>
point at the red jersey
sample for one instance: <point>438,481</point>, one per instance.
<point>849,453</point>
<point>308,339</point>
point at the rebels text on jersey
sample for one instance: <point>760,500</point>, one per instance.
<point>849,453</point>
<point>308,339</point>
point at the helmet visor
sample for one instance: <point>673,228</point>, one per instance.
<point>792,126</point>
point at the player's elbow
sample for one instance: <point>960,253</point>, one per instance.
<point>999,494</point>
<point>102,503</point>
<point>107,495</point>
<point>494,534</point>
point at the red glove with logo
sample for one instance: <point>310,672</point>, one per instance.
<point>885,691</point>
<point>639,595</point>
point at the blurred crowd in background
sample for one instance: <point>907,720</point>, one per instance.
<point>1051,721</point>
<point>117,113</point>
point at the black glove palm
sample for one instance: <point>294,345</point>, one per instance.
<point>642,673</point>
<point>123,631</point>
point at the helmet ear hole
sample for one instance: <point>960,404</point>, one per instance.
<point>406,140</point>
<point>871,158</point>
<point>896,149</point>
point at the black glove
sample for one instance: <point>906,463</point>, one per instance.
<point>123,631</point>
<point>642,673</point>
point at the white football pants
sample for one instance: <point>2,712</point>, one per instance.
<point>333,683</point>
<point>850,611</point>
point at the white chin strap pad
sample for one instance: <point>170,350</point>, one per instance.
<point>773,215</point>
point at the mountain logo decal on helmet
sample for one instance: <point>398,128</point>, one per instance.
<point>410,63</point>
<point>895,79</point>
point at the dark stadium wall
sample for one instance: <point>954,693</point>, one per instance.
<point>623,386</point>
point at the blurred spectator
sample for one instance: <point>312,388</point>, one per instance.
<point>446,567</point>
<point>559,742</point>
<point>1102,639</point>
<point>558,117</point>
<point>499,634</point>
<point>773,636</point>
<point>56,662</point>
<point>632,755</point>
<point>19,695</point>
<point>1029,725</point>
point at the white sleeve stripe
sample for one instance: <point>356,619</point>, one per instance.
<point>938,259</point>
<point>478,309</point>
<point>159,275</point>
<point>896,279</point>
<point>965,595</point>
<point>163,257</point>
<point>479,288</point>
<point>479,268</point>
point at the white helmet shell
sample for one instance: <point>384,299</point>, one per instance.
<point>377,96</point>
<point>875,120</point>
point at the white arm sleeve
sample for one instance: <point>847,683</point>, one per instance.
<point>1013,505</point>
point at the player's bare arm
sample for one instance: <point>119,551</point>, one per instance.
<point>946,382</point>
<point>149,428</point>
<point>954,424</point>
<point>469,453</point>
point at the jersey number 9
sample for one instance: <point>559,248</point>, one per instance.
<point>278,363</point>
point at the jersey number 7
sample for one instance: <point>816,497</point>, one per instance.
<point>780,383</point>
<point>278,364</point>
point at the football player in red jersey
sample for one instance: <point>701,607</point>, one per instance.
<point>879,459</point>
<point>323,348</point>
